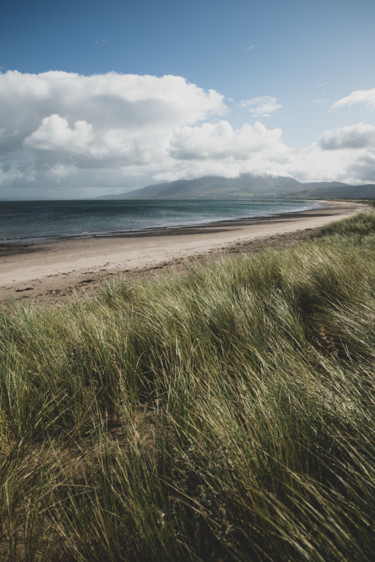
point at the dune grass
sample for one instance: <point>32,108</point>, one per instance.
<point>225,414</point>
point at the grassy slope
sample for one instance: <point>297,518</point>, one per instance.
<point>223,415</point>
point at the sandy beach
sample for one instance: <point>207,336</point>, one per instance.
<point>56,270</point>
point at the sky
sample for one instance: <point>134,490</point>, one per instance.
<point>104,97</point>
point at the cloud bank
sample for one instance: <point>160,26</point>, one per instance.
<point>64,134</point>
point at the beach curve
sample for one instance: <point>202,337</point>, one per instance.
<point>55,270</point>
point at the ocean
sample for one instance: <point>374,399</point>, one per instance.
<point>39,221</point>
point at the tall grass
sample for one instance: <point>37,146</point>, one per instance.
<point>226,414</point>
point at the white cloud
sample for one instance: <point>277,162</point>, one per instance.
<point>59,124</point>
<point>362,168</point>
<point>219,149</point>
<point>355,137</point>
<point>55,134</point>
<point>365,97</point>
<point>220,141</point>
<point>106,101</point>
<point>345,154</point>
<point>314,164</point>
<point>262,106</point>
<point>65,132</point>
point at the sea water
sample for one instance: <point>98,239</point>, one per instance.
<point>36,221</point>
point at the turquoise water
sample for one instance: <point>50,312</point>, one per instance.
<point>33,221</point>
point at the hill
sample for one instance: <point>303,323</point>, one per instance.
<point>341,192</point>
<point>216,187</point>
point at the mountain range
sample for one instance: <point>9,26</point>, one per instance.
<point>248,186</point>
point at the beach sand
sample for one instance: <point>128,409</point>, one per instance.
<point>56,270</point>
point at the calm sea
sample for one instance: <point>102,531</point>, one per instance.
<point>35,221</point>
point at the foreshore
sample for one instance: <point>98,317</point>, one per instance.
<point>56,270</point>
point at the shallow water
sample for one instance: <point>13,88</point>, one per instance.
<point>35,221</point>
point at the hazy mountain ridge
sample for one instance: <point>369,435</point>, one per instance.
<point>366,191</point>
<point>246,186</point>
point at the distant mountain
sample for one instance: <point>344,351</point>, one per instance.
<point>246,186</point>
<point>323,184</point>
<point>216,187</point>
<point>366,191</point>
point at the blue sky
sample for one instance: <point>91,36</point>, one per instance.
<point>283,66</point>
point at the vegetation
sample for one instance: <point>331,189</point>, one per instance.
<point>226,414</point>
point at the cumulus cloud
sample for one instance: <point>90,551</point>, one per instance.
<point>363,168</point>
<point>357,136</point>
<point>55,134</point>
<point>109,101</point>
<point>55,124</point>
<point>220,141</point>
<point>365,97</point>
<point>65,132</point>
<point>344,154</point>
<point>219,149</point>
<point>261,107</point>
<point>351,151</point>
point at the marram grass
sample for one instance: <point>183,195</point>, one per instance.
<point>225,414</point>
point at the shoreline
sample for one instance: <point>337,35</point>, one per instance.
<point>53,271</point>
<point>21,245</point>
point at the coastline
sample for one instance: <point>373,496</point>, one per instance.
<point>54,271</point>
<point>61,221</point>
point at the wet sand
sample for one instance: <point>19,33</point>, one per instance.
<point>54,271</point>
